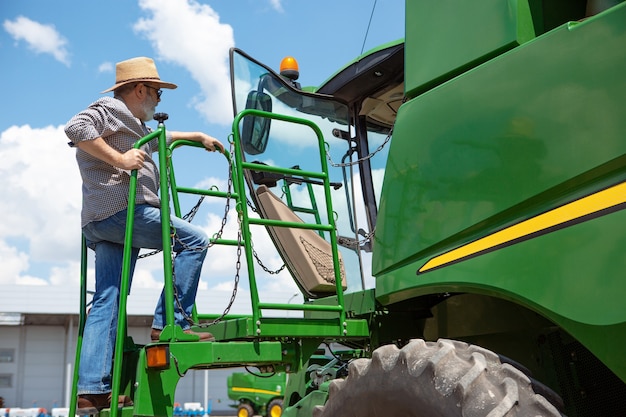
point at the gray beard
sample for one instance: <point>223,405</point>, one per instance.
<point>149,115</point>
<point>148,111</point>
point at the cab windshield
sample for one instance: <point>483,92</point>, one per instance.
<point>290,145</point>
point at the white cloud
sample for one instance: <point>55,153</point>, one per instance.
<point>219,183</point>
<point>41,199</point>
<point>39,37</point>
<point>14,263</point>
<point>190,34</point>
<point>41,189</point>
<point>149,276</point>
<point>68,272</point>
<point>276,5</point>
<point>106,67</point>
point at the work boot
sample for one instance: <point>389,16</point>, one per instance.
<point>204,336</point>
<point>89,404</point>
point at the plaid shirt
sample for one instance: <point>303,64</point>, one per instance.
<point>105,187</point>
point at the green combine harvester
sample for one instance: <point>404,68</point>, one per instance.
<point>451,206</point>
<point>257,394</point>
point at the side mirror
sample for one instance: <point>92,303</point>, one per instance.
<point>255,130</point>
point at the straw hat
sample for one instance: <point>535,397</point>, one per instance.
<point>136,70</point>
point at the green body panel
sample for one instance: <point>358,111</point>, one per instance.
<point>440,45</point>
<point>533,129</point>
<point>290,327</point>
<point>155,388</point>
<point>437,46</point>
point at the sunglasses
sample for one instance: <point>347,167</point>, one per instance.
<point>158,91</point>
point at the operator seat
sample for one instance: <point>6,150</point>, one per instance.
<point>306,254</point>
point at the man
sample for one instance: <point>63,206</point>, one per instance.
<point>104,135</point>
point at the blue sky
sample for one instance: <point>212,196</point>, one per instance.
<point>56,57</point>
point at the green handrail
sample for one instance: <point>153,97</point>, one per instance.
<point>246,220</point>
<point>176,189</point>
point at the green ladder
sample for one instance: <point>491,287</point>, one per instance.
<point>151,373</point>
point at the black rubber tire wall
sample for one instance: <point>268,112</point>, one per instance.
<point>446,378</point>
<point>245,409</point>
<point>272,404</point>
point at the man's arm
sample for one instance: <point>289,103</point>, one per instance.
<point>85,130</point>
<point>98,148</point>
<point>134,158</point>
<point>210,143</point>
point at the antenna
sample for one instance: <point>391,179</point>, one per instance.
<point>368,27</point>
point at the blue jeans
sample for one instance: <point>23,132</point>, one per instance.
<point>106,238</point>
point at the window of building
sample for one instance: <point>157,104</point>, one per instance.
<point>6,381</point>
<point>7,355</point>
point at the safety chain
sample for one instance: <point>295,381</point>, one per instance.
<point>232,297</point>
<point>216,236</point>
<point>235,287</point>
<point>189,217</point>
<point>266,269</point>
<point>367,238</point>
<point>219,233</point>
<point>145,255</point>
<point>194,210</point>
<point>249,204</point>
<point>365,158</point>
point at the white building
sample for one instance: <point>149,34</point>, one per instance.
<point>38,328</point>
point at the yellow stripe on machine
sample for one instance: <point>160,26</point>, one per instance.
<point>585,206</point>
<point>255,391</point>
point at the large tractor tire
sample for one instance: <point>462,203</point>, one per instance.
<point>434,379</point>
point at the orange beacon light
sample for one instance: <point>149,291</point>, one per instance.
<point>289,68</point>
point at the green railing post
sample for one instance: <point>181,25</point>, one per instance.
<point>126,270</point>
<point>82,318</point>
<point>166,235</point>
<point>242,211</point>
